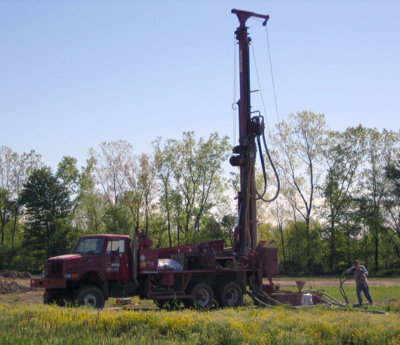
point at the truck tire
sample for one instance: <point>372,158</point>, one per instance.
<point>56,297</point>
<point>202,296</point>
<point>231,295</point>
<point>90,296</point>
<point>49,298</point>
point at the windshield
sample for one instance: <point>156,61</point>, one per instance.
<point>89,246</point>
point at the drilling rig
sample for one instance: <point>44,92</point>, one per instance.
<point>199,275</point>
<point>245,237</point>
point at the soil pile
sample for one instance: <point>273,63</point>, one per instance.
<point>9,282</point>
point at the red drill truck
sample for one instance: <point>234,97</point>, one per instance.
<point>197,275</point>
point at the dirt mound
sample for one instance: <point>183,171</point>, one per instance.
<point>15,274</point>
<point>11,286</point>
<point>14,282</point>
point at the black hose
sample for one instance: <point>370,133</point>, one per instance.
<point>257,301</point>
<point>327,298</point>
<point>341,288</point>
<point>261,196</point>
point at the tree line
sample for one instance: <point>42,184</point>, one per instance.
<point>339,197</point>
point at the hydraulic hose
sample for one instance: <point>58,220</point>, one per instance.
<point>260,196</point>
<point>258,301</point>
<point>341,288</point>
<point>327,298</point>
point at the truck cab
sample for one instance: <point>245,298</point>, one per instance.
<point>101,267</point>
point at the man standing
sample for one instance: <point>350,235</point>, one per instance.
<point>360,274</point>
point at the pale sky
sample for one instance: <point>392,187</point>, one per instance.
<point>76,73</point>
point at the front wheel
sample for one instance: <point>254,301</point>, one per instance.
<point>90,296</point>
<point>56,296</point>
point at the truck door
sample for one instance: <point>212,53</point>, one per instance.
<point>116,259</point>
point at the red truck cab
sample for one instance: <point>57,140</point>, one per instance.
<point>101,266</point>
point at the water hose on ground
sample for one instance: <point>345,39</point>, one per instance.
<point>259,298</point>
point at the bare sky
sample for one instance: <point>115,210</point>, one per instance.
<point>76,73</point>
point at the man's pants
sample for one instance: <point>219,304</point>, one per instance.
<point>365,289</point>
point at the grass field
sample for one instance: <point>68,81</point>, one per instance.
<point>34,323</point>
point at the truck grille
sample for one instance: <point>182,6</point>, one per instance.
<point>54,268</point>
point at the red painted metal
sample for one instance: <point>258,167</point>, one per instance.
<point>293,298</point>
<point>246,232</point>
<point>269,257</point>
<point>49,283</point>
<point>148,259</point>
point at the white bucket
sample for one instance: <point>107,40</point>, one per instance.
<point>307,299</point>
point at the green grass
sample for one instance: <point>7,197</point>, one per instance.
<point>385,297</point>
<point>382,295</point>
<point>39,324</point>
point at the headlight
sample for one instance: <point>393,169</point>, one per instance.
<point>71,275</point>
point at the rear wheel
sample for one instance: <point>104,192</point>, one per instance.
<point>202,296</point>
<point>231,295</point>
<point>90,296</point>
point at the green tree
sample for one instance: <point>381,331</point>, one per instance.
<point>109,168</point>
<point>141,190</point>
<point>6,208</point>
<point>147,187</point>
<point>114,171</point>
<point>47,208</point>
<point>383,149</point>
<point>191,174</point>
<point>163,169</point>
<point>90,203</point>
<point>23,168</point>
<point>280,213</point>
<point>68,175</point>
<point>7,161</point>
<point>392,198</point>
<point>296,245</point>
<point>117,220</point>
<point>210,230</point>
<point>14,170</point>
<point>298,156</point>
<point>228,224</point>
<point>392,203</point>
<point>344,154</point>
